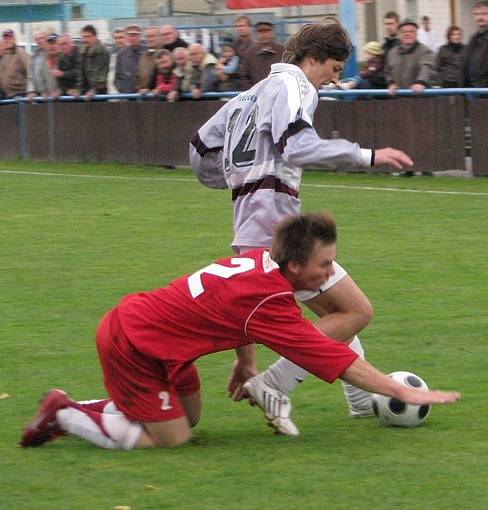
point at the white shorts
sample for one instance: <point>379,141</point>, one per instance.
<point>339,273</point>
<point>306,295</point>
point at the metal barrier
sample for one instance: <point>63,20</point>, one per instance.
<point>144,129</point>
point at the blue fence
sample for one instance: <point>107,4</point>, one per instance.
<point>146,129</point>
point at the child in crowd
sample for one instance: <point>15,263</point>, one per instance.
<point>227,68</point>
<point>371,75</point>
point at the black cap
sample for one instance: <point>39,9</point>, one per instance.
<point>408,21</point>
<point>263,24</point>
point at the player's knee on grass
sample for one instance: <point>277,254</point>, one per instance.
<point>169,434</point>
<point>192,404</point>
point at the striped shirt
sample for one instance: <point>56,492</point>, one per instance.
<point>257,145</point>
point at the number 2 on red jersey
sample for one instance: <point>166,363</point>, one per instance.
<point>240,265</point>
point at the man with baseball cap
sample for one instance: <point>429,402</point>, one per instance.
<point>127,64</point>
<point>256,61</point>
<point>13,66</point>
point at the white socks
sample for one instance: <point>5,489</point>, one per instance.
<point>285,376</point>
<point>107,429</point>
<point>359,401</point>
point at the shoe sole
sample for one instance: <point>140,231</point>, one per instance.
<point>33,435</point>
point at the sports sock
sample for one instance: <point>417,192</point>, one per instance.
<point>101,406</point>
<point>107,430</point>
<point>359,401</point>
<point>284,375</point>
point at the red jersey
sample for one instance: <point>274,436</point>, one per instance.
<point>230,303</point>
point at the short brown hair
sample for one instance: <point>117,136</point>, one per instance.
<point>321,40</point>
<point>90,29</point>
<point>244,18</point>
<point>295,237</point>
<point>160,53</point>
<point>392,15</point>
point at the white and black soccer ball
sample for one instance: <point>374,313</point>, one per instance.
<point>393,412</point>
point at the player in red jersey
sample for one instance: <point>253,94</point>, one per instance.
<point>148,343</point>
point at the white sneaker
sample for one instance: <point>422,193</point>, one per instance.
<point>275,405</point>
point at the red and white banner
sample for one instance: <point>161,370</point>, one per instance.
<point>256,4</point>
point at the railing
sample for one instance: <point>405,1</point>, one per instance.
<point>148,130</point>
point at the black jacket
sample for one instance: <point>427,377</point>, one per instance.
<point>71,65</point>
<point>477,60</point>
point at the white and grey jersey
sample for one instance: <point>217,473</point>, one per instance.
<point>257,145</point>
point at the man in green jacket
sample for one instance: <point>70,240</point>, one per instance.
<point>96,59</point>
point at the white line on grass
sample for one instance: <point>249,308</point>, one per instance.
<point>181,179</point>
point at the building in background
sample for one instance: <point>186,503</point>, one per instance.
<point>214,17</point>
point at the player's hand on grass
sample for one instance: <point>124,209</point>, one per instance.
<point>392,157</point>
<point>421,397</point>
<point>241,372</point>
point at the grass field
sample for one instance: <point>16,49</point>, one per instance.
<point>75,238</point>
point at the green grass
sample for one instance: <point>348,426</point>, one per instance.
<point>72,246</point>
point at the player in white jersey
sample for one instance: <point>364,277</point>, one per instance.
<point>257,145</point>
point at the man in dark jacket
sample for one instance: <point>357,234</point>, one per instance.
<point>256,61</point>
<point>477,52</point>
<point>391,21</point>
<point>127,65</point>
<point>96,60</point>
<point>68,72</point>
<point>171,39</point>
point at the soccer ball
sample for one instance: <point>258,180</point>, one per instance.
<point>394,412</point>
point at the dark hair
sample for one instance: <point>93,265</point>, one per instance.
<point>162,52</point>
<point>450,30</point>
<point>392,15</point>
<point>295,237</point>
<point>322,40</point>
<point>483,3</point>
<point>90,29</point>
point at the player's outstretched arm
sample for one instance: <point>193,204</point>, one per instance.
<point>244,368</point>
<point>392,157</point>
<point>360,373</point>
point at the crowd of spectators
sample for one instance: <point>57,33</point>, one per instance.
<point>158,61</point>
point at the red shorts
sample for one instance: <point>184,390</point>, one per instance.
<point>136,383</point>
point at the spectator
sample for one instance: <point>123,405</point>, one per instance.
<point>477,51</point>
<point>127,63</point>
<point>95,63</point>
<point>68,69</point>
<point>227,68</point>
<point>13,67</point>
<point>119,38</point>
<point>183,71</point>
<point>203,75</point>
<point>451,60</point>
<point>391,20</point>
<point>164,79</point>
<point>243,28</point>
<point>52,64</point>
<point>428,36</point>
<point>372,75</point>
<point>256,62</point>
<point>41,81</point>
<point>411,64</point>
<point>147,64</point>
<point>170,38</point>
